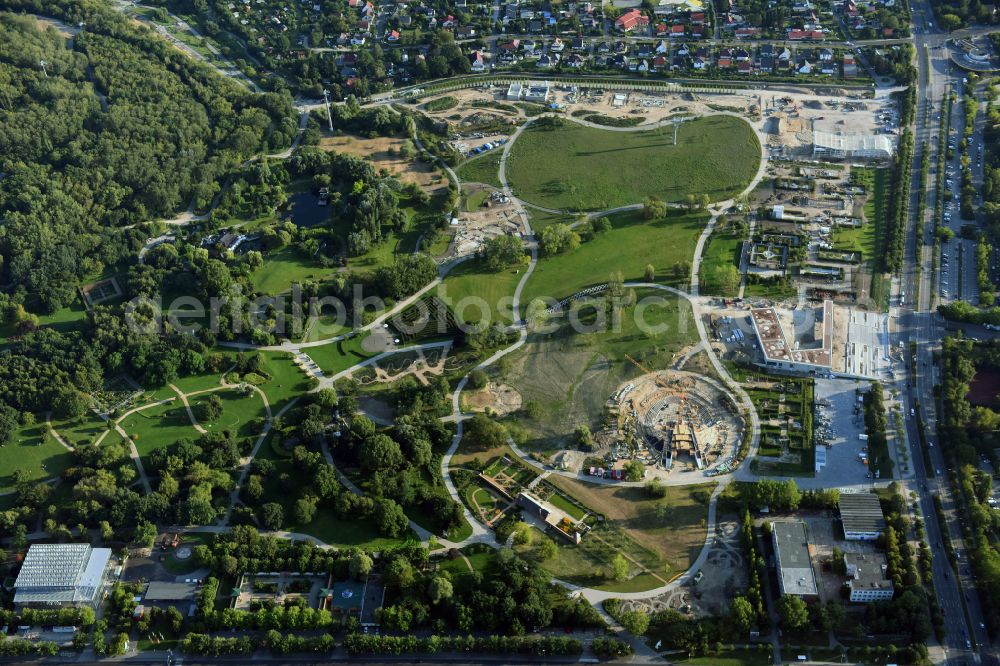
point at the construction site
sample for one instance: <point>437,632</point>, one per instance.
<point>491,214</point>
<point>676,421</point>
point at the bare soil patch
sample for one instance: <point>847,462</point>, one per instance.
<point>502,399</point>
<point>377,151</point>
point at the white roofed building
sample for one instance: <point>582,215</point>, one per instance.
<point>62,574</point>
<point>852,146</point>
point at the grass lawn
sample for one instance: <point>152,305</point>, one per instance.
<point>483,169</point>
<point>570,375</point>
<point>577,167</point>
<point>207,381</point>
<point>347,533</point>
<point>480,559</point>
<point>774,292</point>
<point>158,426</point>
<point>324,327</point>
<point>326,525</point>
<point>869,239</point>
<point>63,320</point>
<point>337,356</point>
<point>667,543</point>
<point>722,252</point>
<point>474,201</point>
<point>561,502</point>
<point>385,253</point>
<point>238,412</point>
<point>287,379</point>
<point>82,430</point>
<point>34,451</point>
<point>283,267</point>
<point>631,245</point>
<point>469,282</point>
<point>541,219</point>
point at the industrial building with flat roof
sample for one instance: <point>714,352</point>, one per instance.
<point>62,574</point>
<point>861,514</point>
<point>852,146</point>
<point>868,581</point>
<point>162,591</point>
<point>791,549</point>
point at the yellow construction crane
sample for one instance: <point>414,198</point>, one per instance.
<point>659,380</point>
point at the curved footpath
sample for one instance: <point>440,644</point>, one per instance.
<point>481,534</point>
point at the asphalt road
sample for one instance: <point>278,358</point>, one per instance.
<point>963,621</point>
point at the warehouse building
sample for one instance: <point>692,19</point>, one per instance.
<point>852,146</point>
<point>62,574</point>
<point>791,550</point>
<point>861,514</point>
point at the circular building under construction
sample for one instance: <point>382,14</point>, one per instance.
<point>685,421</point>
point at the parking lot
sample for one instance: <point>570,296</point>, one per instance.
<point>838,423</point>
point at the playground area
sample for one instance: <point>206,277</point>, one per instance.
<point>723,576</point>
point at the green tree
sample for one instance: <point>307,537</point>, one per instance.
<point>619,567</point>
<point>547,550</point>
<point>793,613</point>
<point>635,622</point>
<point>500,252</point>
<point>483,433</point>
<point>210,409</point>
<point>360,565</point>
<point>741,615</point>
<point>272,516</point>
<point>634,470</point>
<point>654,209</point>
<point>305,510</point>
<point>389,516</point>
<point>439,589</point>
<point>584,438</point>
<point>558,238</point>
<point>145,534</point>
<point>10,421</point>
<point>381,453</point>
<point>69,403</point>
<point>655,489</point>
<point>254,489</point>
<point>523,534</point>
<point>478,379</point>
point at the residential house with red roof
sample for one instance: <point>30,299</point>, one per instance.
<point>630,20</point>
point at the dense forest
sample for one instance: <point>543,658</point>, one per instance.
<point>117,128</point>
